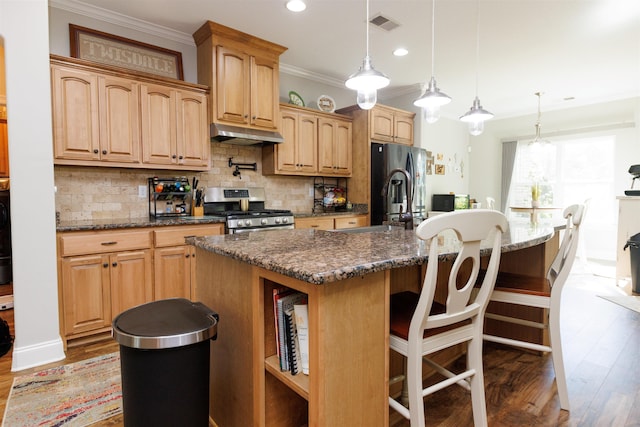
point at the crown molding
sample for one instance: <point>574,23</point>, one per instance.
<point>122,20</point>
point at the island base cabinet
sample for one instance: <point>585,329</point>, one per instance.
<point>348,381</point>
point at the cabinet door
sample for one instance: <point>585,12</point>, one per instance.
<point>119,119</point>
<point>351,222</point>
<point>4,149</point>
<point>343,148</point>
<point>264,93</point>
<point>85,293</point>
<point>403,129</point>
<point>131,280</point>
<point>158,107</point>
<point>286,151</point>
<point>382,125</point>
<point>233,86</point>
<point>324,223</point>
<point>192,140</point>
<point>172,267</point>
<point>307,147</point>
<point>326,143</point>
<point>76,129</point>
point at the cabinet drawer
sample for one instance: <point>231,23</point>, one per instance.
<point>174,236</point>
<point>101,242</point>
<point>351,222</point>
<point>316,223</point>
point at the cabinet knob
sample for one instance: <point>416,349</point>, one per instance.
<point>115,264</point>
<point>186,256</point>
<point>253,118</point>
<point>104,151</point>
<point>173,157</point>
<point>96,151</point>
<point>180,157</point>
<point>105,265</point>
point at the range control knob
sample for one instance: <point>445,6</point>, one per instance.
<point>278,220</point>
<point>247,222</point>
<point>285,220</point>
<point>264,221</point>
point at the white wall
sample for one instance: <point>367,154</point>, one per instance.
<point>24,27</point>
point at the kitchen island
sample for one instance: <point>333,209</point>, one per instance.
<point>348,279</point>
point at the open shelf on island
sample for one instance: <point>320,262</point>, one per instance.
<point>298,383</point>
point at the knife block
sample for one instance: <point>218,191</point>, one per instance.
<point>197,210</point>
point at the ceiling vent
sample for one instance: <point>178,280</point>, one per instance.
<point>383,22</point>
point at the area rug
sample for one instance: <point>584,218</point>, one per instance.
<point>627,301</point>
<point>77,394</point>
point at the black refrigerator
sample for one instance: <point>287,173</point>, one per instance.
<point>385,158</point>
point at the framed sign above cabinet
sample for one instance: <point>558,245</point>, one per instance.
<point>109,49</point>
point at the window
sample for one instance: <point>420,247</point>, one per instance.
<point>570,171</point>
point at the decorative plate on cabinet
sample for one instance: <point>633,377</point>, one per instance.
<point>295,99</point>
<point>326,104</point>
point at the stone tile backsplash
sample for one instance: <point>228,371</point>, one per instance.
<point>92,193</point>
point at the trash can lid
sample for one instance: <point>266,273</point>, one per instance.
<point>169,323</point>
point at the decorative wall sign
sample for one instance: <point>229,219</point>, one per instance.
<point>439,169</point>
<point>117,51</point>
<point>429,163</point>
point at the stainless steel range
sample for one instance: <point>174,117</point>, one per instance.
<point>244,210</point>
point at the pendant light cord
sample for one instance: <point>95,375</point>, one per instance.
<point>366,23</point>
<point>477,44</point>
<point>433,36</point>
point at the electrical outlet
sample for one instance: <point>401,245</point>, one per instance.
<point>142,191</point>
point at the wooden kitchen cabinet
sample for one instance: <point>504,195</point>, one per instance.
<point>4,148</point>
<point>108,116</point>
<point>244,70</point>
<point>332,222</point>
<point>102,274</point>
<point>175,262</point>
<point>391,125</point>
<point>174,126</point>
<point>95,116</point>
<point>334,147</point>
<point>298,154</point>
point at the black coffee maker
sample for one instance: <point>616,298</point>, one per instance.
<point>634,170</point>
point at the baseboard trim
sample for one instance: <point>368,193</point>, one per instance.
<point>36,355</point>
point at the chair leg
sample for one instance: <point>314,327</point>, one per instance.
<point>556,355</point>
<point>404,396</point>
<point>474,361</point>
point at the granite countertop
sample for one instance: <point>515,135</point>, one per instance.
<point>114,224</point>
<point>320,257</point>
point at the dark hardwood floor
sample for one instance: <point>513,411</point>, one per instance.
<point>602,358</point>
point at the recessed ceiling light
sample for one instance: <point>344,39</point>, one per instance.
<point>400,51</point>
<point>296,5</point>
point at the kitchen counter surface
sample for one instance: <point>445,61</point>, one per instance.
<point>114,224</point>
<point>320,257</point>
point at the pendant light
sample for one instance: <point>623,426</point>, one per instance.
<point>432,99</point>
<point>538,139</point>
<point>367,80</point>
<point>476,116</point>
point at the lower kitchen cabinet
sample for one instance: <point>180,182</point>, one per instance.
<point>332,222</point>
<point>103,273</point>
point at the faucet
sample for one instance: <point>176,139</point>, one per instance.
<point>406,217</point>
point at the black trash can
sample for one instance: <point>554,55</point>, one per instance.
<point>164,361</point>
<point>634,251</point>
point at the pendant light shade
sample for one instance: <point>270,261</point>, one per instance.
<point>367,80</point>
<point>476,116</point>
<point>432,99</point>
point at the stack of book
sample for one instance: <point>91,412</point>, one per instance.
<point>291,317</point>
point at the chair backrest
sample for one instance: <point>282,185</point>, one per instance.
<point>491,203</point>
<point>470,228</point>
<point>562,263</point>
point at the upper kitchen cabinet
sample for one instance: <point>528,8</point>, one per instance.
<point>174,126</point>
<point>243,73</point>
<point>95,116</point>
<point>334,147</point>
<point>386,124</point>
<point>298,154</point>
<point>108,116</point>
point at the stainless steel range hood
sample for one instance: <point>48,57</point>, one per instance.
<point>243,136</point>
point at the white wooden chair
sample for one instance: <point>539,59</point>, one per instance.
<point>420,326</point>
<point>543,293</point>
<point>491,203</point>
